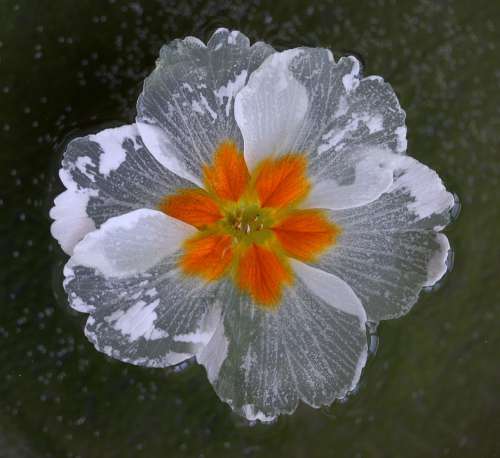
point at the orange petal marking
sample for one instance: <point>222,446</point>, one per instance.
<point>262,274</point>
<point>207,256</point>
<point>283,181</point>
<point>193,206</point>
<point>228,176</point>
<point>306,233</point>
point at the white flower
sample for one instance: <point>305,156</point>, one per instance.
<point>256,216</point>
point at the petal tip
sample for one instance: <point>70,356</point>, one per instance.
<point>439,264</point>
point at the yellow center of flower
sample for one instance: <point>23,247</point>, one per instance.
<point>250,224</point>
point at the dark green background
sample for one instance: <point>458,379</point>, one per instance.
<point>69,67</point>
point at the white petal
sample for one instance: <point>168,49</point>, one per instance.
<point>271,108</point>
<point>186,108</point>
<point>160,144</point>
<point>131,243</point>
<point>310,349</point>
<point>214,355</point>
<point>106,175</point>
<point>351,129</point>
<point>330,289</point>
<point>71,220</point>
<point>389,249</point>
<point>252,414</point>
<point>155,317</point>
<point>429,196</point>
<point>437,265</point>
<point>371,176</point>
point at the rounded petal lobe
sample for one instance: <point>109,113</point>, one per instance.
<point>143,309</point>
<point>349,127</point>
<point>71,221</point>
<point>131,243</point>
<point>270,108</point>
<point>186,108</point>
<point>390,249</point>
<point>372,175</point>
<point>331,289</point>
<point>155,318</point>
<point>106,175</point>
<point>312,348</point>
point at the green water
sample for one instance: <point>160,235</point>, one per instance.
<point>433,387</point>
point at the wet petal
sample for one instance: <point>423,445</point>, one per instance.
<point>228,175</point>
<point>331,289</point>
<point>312,348</point>
<point>186,108</point>
<point>155,318</point>
<point>304,234</point>
<point>351,128</point>
<point>364,182</point>
<point>270,109</point>
<point>389,250</point>
<point>131,243</point>
<point>71,220</point>
<point>193,206</point>
<point>143,310</point>
<point>106,175</point>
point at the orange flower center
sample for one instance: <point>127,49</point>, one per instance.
<point>250,224</point>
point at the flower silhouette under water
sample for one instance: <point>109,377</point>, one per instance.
<point>257,215</point>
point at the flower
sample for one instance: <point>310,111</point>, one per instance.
<point>249,224</point>
<point>256,216</point>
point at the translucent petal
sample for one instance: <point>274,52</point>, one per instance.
<point>106,175</point>
<point>312,348</point>
<point>352,129</point>
<point>186,108</point>
<point>149,314</point>
<point>389,250</point>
